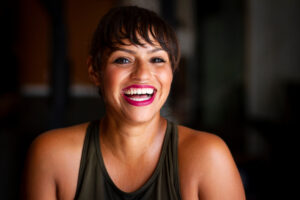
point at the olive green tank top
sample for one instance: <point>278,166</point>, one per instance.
<point>94,182</point>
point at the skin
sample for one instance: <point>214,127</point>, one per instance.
<point>134,140</point>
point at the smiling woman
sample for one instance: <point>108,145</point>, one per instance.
<point>132,152</point>
<point>135,70</point>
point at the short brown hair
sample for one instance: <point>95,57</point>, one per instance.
<point>131,22</point>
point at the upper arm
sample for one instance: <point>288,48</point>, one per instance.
<point>39,173</point>
<point>221,178</point>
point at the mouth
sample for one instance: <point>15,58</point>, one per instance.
<point>139,95</point>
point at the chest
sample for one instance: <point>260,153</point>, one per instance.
<point>130,177</point>
<point>68,183</point>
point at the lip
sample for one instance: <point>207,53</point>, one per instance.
<point>139,103</point>
<point>138,86</point>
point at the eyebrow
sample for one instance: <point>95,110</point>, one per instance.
<point>133,52</point>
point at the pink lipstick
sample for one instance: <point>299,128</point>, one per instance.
<point>139,95</point>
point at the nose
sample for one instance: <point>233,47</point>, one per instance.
<point>141,71</point>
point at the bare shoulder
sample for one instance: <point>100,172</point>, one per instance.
<point>192,136</point>
<point>206,161</point>
<point>58,147</point>
<point>53,158</point>
<point>199,143</point>
<point>59,139</point>
<point>199,149</point>
<point>51,145</point>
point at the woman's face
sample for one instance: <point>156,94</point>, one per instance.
<point>136,81</point>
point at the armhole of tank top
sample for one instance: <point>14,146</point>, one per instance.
<point>176,175</point>
<point>83,157</point>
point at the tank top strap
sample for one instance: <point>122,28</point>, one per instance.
<point>174,155</point>
<point>87,149</point>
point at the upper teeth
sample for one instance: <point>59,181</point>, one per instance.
<point>132,91</point>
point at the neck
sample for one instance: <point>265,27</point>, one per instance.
<point>131,141</point>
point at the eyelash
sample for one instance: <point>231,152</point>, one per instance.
<point>123,60</point>
<point>157,60</point>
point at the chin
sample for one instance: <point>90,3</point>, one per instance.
<point>133,114</point>
<point>141,117</point>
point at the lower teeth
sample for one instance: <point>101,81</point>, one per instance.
<point>140,99</point>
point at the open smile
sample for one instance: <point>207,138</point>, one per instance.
<point>139,95</point>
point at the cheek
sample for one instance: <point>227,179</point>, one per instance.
<point>112,79</point>
<point>166,77</point>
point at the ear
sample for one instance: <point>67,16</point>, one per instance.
<point>94,76</point>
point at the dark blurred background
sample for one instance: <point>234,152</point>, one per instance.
<point>239,78</point>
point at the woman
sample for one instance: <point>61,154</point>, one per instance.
<point>132,152</point>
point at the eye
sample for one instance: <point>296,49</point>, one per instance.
<point>157,60</point>
<point>121,60</point>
